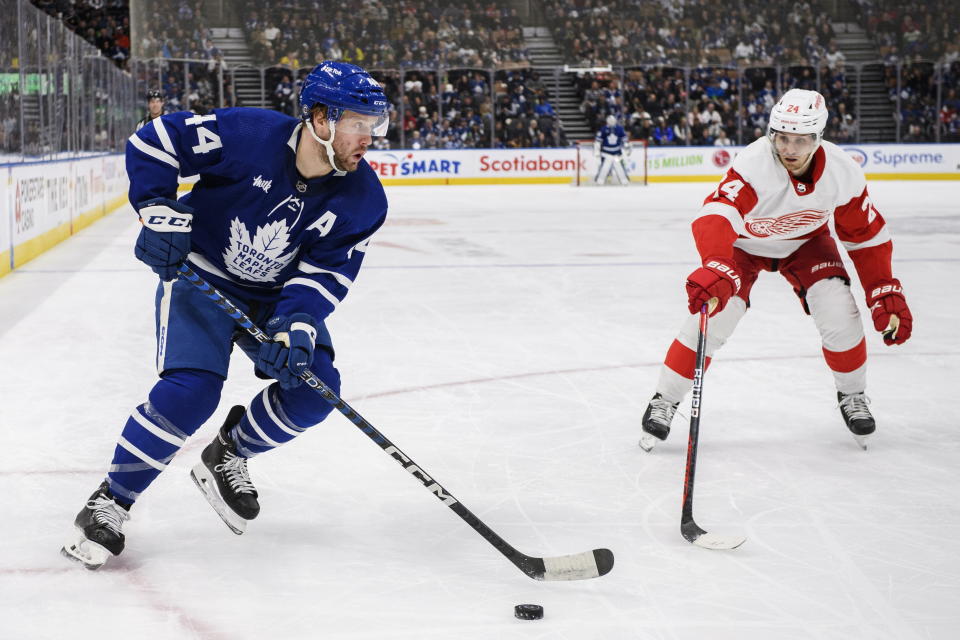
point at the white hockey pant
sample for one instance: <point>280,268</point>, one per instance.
<point>610,163</point>
<point>674,386</point>
<point>834,313</point>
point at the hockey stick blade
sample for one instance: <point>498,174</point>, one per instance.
<point>580,566</point>
<point>695,535</point>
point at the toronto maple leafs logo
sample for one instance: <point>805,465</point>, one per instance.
<point>792,224</point>
<point>260,258</point>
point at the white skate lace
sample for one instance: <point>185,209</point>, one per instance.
<point>108,513</point>
<point>855,406</point>
<point>661,411</point>
<point>236,473</point>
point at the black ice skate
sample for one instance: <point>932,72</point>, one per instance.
<point>857,416</point>
<point>99,525</point>
<point>223,478</point>
<point>656,421</point>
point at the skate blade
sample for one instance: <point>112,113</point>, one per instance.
<point>90,554</point>
<point>861,440</point>
<point>647,442</point>
<point>208,487</point>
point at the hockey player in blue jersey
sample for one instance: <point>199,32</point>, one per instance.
<point>279,222</point>
<point>612,148</point>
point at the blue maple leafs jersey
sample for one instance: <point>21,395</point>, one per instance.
<point>260,231</point>
<point>611,139</point>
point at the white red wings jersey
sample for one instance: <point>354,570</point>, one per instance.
<point>772,214</point>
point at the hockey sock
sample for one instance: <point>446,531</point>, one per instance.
<point>834,311</point>
<point>278,415</point>
<point>181,401</point>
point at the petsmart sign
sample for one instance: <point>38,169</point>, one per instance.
<point>907,161</point>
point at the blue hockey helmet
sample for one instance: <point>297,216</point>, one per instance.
<point>345,87</point>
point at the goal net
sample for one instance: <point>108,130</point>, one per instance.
<point>588,165</point>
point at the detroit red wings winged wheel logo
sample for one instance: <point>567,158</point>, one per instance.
<point>791,224</point>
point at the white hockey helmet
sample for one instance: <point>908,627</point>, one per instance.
<point>611,121</point>
<point>799,111</point>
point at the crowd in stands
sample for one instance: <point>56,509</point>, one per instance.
<point>692,32</point>
<point>103,23</point>
<point>385,34</point>
<point>671,106</point>
<point>919,36</point>
<point>687,71</point>
<point>907,30</point>
<point>460,113</point>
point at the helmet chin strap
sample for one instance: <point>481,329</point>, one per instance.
<point>327,144</point>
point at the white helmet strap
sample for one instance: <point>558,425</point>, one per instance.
<point>327,144</point>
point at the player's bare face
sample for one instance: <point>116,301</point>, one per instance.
<point>155,107</point>
<point>794,150</point>
<point>354,135</point>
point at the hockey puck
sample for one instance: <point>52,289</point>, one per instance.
<point>528,611</point>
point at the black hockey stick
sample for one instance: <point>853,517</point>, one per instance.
<point>688,527</point>
<point>578,566</point>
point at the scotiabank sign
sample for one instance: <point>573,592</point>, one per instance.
<point>545,162</point>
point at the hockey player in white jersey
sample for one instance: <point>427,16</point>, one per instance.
<point>279,221</point>
<point>770,213</point>
<point>612,148</point>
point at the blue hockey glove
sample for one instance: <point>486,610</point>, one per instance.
<point>164,240</point>
<point>290,352</point>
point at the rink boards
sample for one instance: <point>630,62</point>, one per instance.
<point>43,203</point>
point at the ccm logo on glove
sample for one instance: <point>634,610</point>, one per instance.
<point>164,219</point>
<point>164,240</point>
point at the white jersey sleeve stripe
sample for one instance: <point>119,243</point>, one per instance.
<point>155,430</point>
<point>339,277</point>
<point>306,282</point>
<point>882,236</point>
<point>728,211</point>
<point>126,444</point>
<point>164,136</point>
<point>163,156</point>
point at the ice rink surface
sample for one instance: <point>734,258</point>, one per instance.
<point>507,339</point>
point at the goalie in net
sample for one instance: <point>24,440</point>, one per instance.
<point>611,160</point>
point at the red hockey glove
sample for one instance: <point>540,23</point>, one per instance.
<point>890,312</point>
<point>717,278</point>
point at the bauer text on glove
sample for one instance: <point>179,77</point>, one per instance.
<point>717,278</point>
<point>890,312</point>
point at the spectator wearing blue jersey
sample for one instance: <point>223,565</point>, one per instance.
<point>279,221</point>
